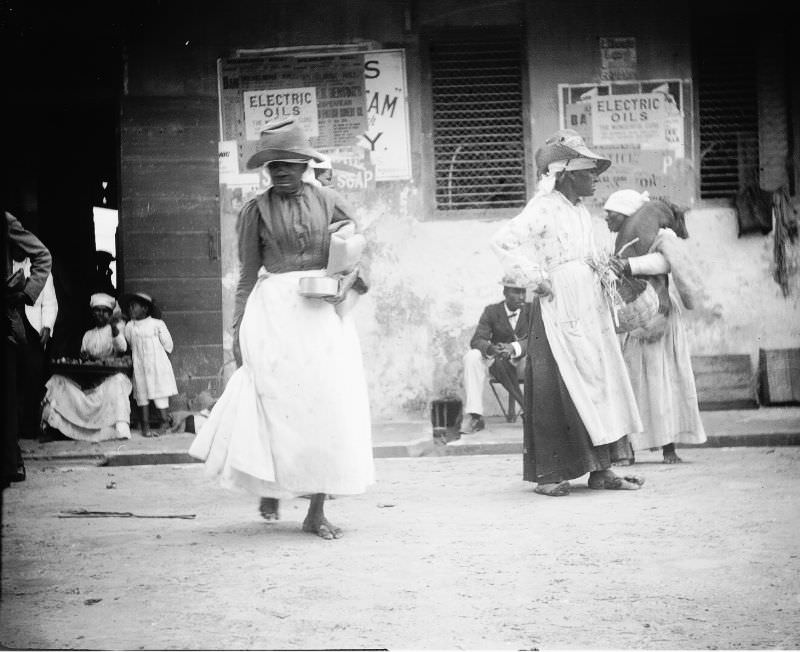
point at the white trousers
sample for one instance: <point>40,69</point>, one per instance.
<point>476,367</point>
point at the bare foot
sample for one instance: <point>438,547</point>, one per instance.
<point>268,508</point>
<point>321,527</point>
<point>670,456</point>
<point>149,433</point>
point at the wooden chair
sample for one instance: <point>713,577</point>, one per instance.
<point>510,410</point>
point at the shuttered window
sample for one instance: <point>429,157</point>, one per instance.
<point>728,108</point>
<point>478,138</point>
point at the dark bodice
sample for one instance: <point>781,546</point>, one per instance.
<point>285,233</point>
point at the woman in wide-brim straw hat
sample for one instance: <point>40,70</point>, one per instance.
<point>294,417</point>
<point>579,404</point>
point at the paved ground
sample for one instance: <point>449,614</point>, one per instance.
<point>773,426</point>
<point>445,552</point>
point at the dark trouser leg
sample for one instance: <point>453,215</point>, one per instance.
<point>31,388</point>
<point>505,372</point>
<point>11,456</point>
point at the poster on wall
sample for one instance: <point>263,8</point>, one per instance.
<point>640,126</point>
<point>344,101</point>
<point>353,106</point>
<point>324,93</point>
<point>617,58</point>
<point>261,107</point>
<point>387,135</point>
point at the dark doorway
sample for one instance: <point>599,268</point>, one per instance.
<point>63,82</point>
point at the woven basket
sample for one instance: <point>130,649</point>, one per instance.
<point>640,312</point>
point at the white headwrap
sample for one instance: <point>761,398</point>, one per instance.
<point>548,181</point>
<point>102,300</point>
<point>626,202</point>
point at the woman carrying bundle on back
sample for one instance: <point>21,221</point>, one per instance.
<point>649,246</point>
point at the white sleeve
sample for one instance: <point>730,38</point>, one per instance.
<point>119,342</point>
<point>649,264</point>
<point>507,244</point>
<point>49,304</point>
<point>165,337</point>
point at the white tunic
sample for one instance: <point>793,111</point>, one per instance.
<point>150,341</point>
<point>552,240</point>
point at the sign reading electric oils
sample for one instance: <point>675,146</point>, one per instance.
<point>639,125</point>
<point>651,120</point>
<point>261,107</point>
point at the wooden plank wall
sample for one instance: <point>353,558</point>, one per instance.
<point>169,226</point>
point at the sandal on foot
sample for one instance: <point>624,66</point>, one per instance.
<point>629,482</point>
<point>553,489</point>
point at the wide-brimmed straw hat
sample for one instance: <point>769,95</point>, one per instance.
<point>282,140</point>
<point>565,145</point>
<point>142,297</point>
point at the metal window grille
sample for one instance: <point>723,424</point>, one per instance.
<point>478,138</point>
<point>728,110</point>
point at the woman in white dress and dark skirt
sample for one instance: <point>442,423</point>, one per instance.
<point>579,404</point>
<point>294,417</point>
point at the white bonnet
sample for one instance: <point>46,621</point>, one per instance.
<point>102,300</point>
<point>626,202</point>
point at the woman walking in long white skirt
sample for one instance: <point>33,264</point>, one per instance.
<point>294,417</point>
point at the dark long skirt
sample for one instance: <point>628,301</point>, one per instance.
<point>557,446</point>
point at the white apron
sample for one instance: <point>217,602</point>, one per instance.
<point>552,240</point>
<point>294,419</point>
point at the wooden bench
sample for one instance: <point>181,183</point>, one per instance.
<point>725,382</point>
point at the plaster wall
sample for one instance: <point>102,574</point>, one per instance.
<point>430,278</point>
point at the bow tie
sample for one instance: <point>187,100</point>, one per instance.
<point>513,314</point>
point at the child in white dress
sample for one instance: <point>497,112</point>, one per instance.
<point>150,342</point>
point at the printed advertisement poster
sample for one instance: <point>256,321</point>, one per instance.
<point>228,159</point>
<point>324,92</point>
<point>387,135</point>
<point>651,120</point>
<point>639,125</point>
<point>617,58</point>
<point>353,170</point>
<point>261,107</point>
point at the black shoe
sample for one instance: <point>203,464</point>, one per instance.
<point>472,423</point>
<point>19,475</point>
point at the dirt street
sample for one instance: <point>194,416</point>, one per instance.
<point>444,553</point>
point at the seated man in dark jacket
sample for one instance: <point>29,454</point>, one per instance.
<point>499,345</point>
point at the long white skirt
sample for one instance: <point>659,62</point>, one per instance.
<point>663,381</point>
<point>97,414</point>
<point>581,335</point>
<point>294,419</point>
